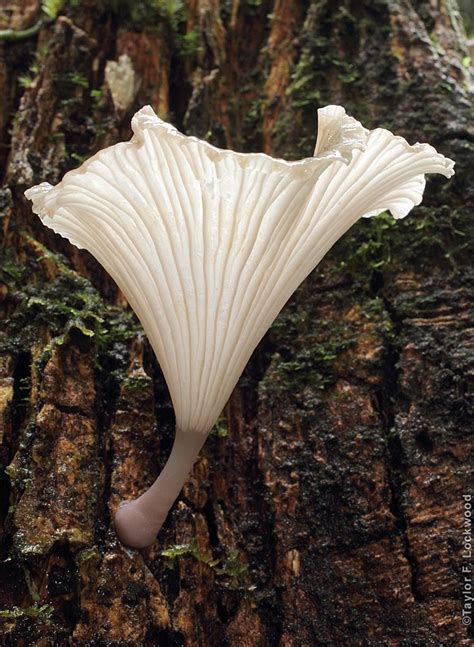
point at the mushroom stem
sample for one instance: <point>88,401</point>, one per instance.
<point>137,522</point>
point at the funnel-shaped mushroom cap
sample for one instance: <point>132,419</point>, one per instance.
<point>208,244</point>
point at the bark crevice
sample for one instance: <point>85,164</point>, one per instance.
<point>387,402</point>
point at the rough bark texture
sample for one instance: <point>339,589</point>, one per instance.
<point>326,507</point>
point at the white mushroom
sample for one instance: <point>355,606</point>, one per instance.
<point>208,245</point>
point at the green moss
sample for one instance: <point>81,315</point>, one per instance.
<point>11,471</point>
<point>220,429</point>
<point>230,568</point>
<point>428,237</point>
<point>25,80</point>
<point>11,270</point>
<point>69,87</point>
<point>309,367</point>
<point>325,67</point>
<point>371,248</point>
<point>252,125</point>
<point>148,13</point>
<point>97,95</point>
<point>40,612</point>
<point>88,554</point>
<point>169,17</point>
<point>52,8</point>
<point>178,550</point>
<point>349,75</point>
<point>74,78</point>
<point>67,302</point>
<point>135,384</point>
<point>65,305</point>
<point>48,350</point>
<point>83,122</point>
<point>188,44</point>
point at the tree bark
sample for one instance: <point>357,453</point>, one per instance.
<point>327,505</point>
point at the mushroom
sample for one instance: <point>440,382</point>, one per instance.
<point>209,244</point>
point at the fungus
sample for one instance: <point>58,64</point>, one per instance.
<point>208,245</point>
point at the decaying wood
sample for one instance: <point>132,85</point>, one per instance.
<point>326,507</point>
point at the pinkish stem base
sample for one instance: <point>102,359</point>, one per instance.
<point>138,522</point>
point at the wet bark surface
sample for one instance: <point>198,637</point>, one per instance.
<point>326,507</point>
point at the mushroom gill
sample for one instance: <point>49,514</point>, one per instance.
<point>208,245</point>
